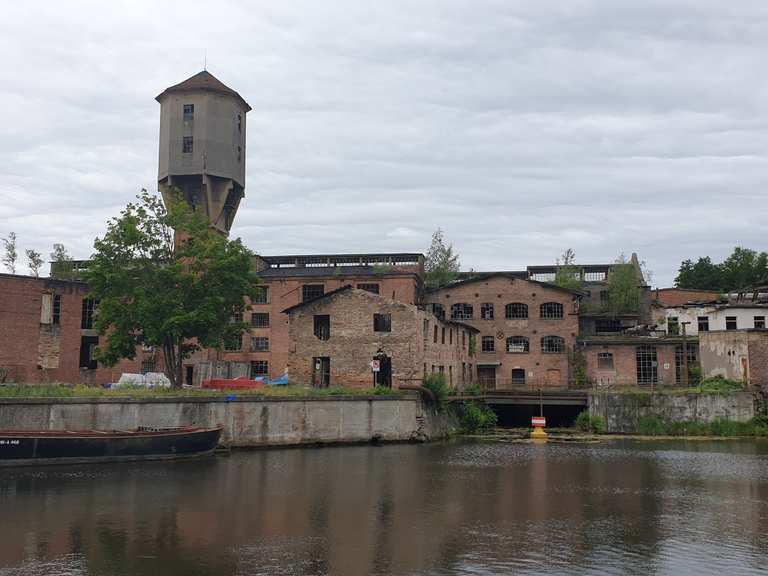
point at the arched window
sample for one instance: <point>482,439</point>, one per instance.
<point>461,311</point>
<point>518,345</point>
<point>552,345</point>
<point>486,311</point>
<point>551,310</point>
<point>516,310</point>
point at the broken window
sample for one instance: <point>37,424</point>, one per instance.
<point>486,311</point>
<point>261,295</point>
<point>383,323</point>
<point>673,325</point>
<point>551,310</point>
<point>703,323</point>
<point>607,325</point>
<point>189,111</point>
<point>759,322</point>
<point>461,311</point>
<point>730,323</point>
<point>259,344</point>
<point>488,344</point>
<point>518,345</point>
<point>647,365</point>
<point>56,312</point>
<point>552,345</point>
<point>605,360</point>
<point>518,377</point>
<point>373,288</point>
<point>186,145</point>
<point>322,326</point>
<point>311,291</point>
<point>260,319</point>
<point>516,311</point>
<point>89,309</point>
<point>439,311</point>
<point>259,368</point>
<point>88,346</point>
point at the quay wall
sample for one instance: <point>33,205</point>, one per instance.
<point>622,412</point>
<point>247,422</point>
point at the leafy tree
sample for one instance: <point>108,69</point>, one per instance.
<point>441,265</point>
<point>179,296</point>
<point>742,269</point>
<point>623,288</point>
<point>10,256</point>
<point>62,262</point>
<point>568,275</point>
<point>35,260</point>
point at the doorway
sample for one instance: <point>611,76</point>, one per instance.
<point>486,377</point>
<point>321,372</point>
<point>518,377</point>
<point>384,376</point>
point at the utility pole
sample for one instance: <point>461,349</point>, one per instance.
<point>685,355</point>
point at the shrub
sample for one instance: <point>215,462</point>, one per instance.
<point>383,391</point>
<point>476,416</point>
<point>435,383</point>
<point>719,384</point>
<point>473,390</point>
<point>651,426</point>
<point>587,423</point>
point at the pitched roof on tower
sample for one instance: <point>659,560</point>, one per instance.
<point>202,81</point>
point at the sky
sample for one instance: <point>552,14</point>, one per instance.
<point>521,128</point>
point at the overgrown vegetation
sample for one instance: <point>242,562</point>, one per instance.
<point>592,424</point>
<point>578,363</point>
<point>568,275</point>
<point>441,265</point>
<point>474,416</point>
<point>654,426</point>
<point>718,384</point>
<point>623,288</point>
<point>744,268</point>
<point>435,383</point>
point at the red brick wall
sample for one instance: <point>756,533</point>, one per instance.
<point>624,372</point>
<point>758,359</point>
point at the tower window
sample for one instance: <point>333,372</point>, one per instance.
<point>239,123</point>
<point>186,145</point>
<point>189,111</point>
<point>239,153</point>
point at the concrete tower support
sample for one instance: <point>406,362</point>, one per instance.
<point>202,146</point>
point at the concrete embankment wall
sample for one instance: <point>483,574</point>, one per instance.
<point>247,421</point>
<point>622,412</point>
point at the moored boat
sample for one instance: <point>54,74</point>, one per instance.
<point>20,447</point>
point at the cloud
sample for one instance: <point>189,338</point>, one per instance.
<point>520,128</point>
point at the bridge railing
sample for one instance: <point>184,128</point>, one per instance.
<point>531,385</point>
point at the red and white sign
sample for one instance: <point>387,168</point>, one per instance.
<point>375,365</point>
<point>538,422</point>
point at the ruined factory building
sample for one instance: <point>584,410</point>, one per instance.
<point>354,337</point>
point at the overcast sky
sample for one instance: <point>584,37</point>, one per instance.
<point>520,128</point>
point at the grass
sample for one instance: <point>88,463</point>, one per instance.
<point>81,391</point>
<point>715,385</point>
<point>653,426</point>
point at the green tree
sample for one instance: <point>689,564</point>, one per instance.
<point>568,275</point>
<point>702,274</point>
<point>35,261</point>
<point>63,265</point>
<point>11,255</point>
<point>744,268</point>
<point>441,265</point>
<point>623,288</point>
<point>179,296</point>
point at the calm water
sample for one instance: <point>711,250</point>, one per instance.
<point>617,508</point>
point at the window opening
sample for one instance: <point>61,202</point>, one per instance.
<point>488,344</point>
<point>186,145</point>
<point>730,323</point>
<point>518,377</point>
<point>605,360</point>
<point>260,319</point>
<point>460,311</point>
<point>552,345</point>
<point>259,344</point>
<point>647,365</point>
<point>189,111</point>
<point>259,368</point>
<point>372,288</point>
<point>486,311</point>
<point>56,311</point>
<point>703,322</point>
<point>759,322</point>
<point>311,291</point>
<point>322,327</point>
<point>516,311</point>
<point>383,323</point>
<point>551,310</point>
<point>518,345</point>
<point>89,309</point>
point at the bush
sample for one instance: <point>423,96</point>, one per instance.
<point>476,416</point>
<point>587,423</point>
<point>383,391</point>
<point>435,383</point>
<point>651,426</point>
<point>473,390</point>
<point>720,384</point>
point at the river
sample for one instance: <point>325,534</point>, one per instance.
<point>619,507</point>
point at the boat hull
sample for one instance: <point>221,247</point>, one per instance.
<point>20,448</point>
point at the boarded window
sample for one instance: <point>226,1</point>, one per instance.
<point>261,295</point>
<point>730,323</point>
<point>605,361</point>
<point>552,345</point>
<point>322,328</point>
<point>488,344</point>
<point>461,311</point>
<point>89,309</point>
<point>259,368</point>
<point>259,344</point>
<point>311,291</point>
<point>516,311</point>
<point>45,308</point>
<point>383,323</point>
<point>486,311</point>
<point>373,288</point>
<point>518,345</point>
<point>551,310</point>
<point>260,319</point>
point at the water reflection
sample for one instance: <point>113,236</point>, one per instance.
<point>617,508</point>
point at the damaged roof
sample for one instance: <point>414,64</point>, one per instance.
<point>511,276</point>
<point>203,81</point>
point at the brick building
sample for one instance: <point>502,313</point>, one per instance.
<point>335,337</point>
<point>48,334</point>
<point>525,328</point>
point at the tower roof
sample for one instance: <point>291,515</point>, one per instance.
<point>206,82</point>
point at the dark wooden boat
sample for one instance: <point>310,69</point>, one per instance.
<point>18,447</point>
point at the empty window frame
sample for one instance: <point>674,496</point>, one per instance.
<point>439,311</point>
<point>260,319</point>
<point>259,344</point>
<point>731,323</point>
<point>647,365</point>
<point>373,288</point>
<point>89,309</point>
<point>189,111</point>
<point>322,326</point>
<point>56,310</point>
<point>673,325</point>
<point>259,368</point>
<point>703,323</point>
<point>693,363</point>
<point>311,291</point>
<point>461,311</point>
<point>486,311</point>
<point>516,311</point>
<point>186,145</point>
<point>383,323</point>
<point>261,295</point>
<point>605,360</point>
<point>488,344</point>
<point>607,325</point>
<point>551,310</point>
<point>552,345</point>
<point>88,352</point>
<point>518,345</point>
<point>518,377</point>
<point>759,322</point>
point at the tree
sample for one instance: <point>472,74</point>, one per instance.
<point>441,265</point>
<point>568,275</point>
<point>179,296</point>
<point>744,268</point>
<point>10,256</point>
<point>63,266</point>
<point>623,287</point>
<point>35,260</point>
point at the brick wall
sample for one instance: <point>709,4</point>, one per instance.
<point>624,371</point>
<point>758,359</point>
